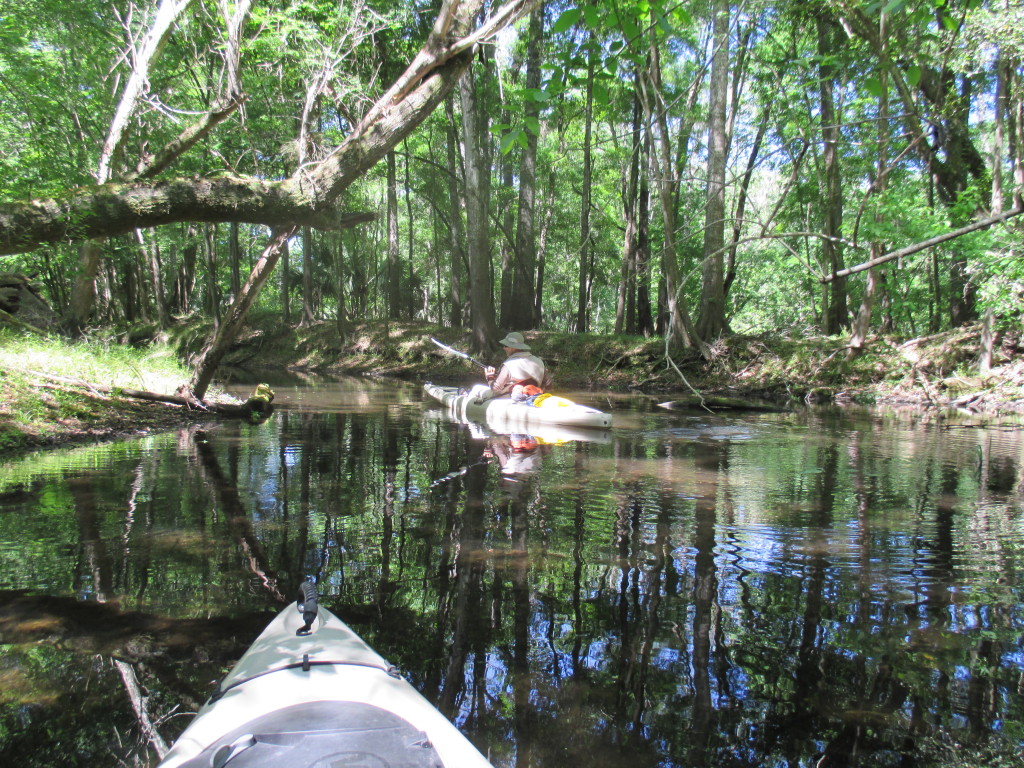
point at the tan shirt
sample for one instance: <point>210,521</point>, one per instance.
<point>520,368</point>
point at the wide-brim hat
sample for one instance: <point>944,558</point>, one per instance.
<point>516,341</point>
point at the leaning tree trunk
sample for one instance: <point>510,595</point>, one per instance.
<point>208,360</point>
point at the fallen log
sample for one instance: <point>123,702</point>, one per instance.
<point>258,404</point>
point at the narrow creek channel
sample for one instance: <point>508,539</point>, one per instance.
<point>811,588</point>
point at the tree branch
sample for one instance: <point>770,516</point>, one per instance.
<point>939,239</point>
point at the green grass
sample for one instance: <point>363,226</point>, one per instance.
<point>39,406</point>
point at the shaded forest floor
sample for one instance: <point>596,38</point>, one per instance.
<point>937,373</point>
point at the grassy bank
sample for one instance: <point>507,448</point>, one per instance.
<point>41,403</point>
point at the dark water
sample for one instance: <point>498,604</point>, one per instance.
<point>800,589</point>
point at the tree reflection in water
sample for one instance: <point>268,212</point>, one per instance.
<point>800,589</point>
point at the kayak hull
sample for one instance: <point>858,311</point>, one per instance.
<point>318,699</point>
<point>503,415</point>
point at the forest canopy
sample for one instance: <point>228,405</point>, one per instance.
<point>687,170</point>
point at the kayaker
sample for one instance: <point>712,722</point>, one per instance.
<point>523,375</point>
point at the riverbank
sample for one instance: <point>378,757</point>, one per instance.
<point>43,401</point>
<point>938,372</point>
<point>53,391</point>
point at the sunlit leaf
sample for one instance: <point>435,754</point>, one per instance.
<point>591,16</point>
<point>566,20</point>
<point>914,75</point>
<point>874,86</point>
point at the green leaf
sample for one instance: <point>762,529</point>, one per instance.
<point>532,124</point>
<point>591,16</point>
<point>874,86</point>
<point>509,140</point>
<point>499,127</point>
<point>914,75</point>
<point>600,94</point>
<point>566,20</point>
<point>894,5</point>
<point>629,28</point>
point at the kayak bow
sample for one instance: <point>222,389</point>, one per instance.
<point>310,692</point>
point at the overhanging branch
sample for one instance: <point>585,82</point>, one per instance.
<point>937,240</point>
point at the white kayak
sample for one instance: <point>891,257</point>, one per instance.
<point>503,415</point>
<point>315,698</point>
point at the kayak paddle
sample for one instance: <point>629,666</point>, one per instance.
<point>457,352</point>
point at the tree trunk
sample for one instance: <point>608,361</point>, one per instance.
<point>83,291</point>
<point>394,268</point>
<point>545,229</point>
<point>583,301</point>
<point>208,360</point>
<point>212,287</point>
<point>147,49</point>
<point>999,132</point>
<point>679,323</point>
<point>506,251</point>
<point>412,289</point>
<point>286,293</point>
<point>876,277</point>
<point>524,274</point>
<point>712,323</point>
<point>341,318</point>
<point>458,252</point>
<point>836,313</point>
<point>644,314</point>
<point>151,253</point>
<point>625,310</point>
<point>481,304</point>
<point>235,257</point>
<point>308,300</point>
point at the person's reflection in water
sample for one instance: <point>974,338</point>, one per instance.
<point>518,455</point>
